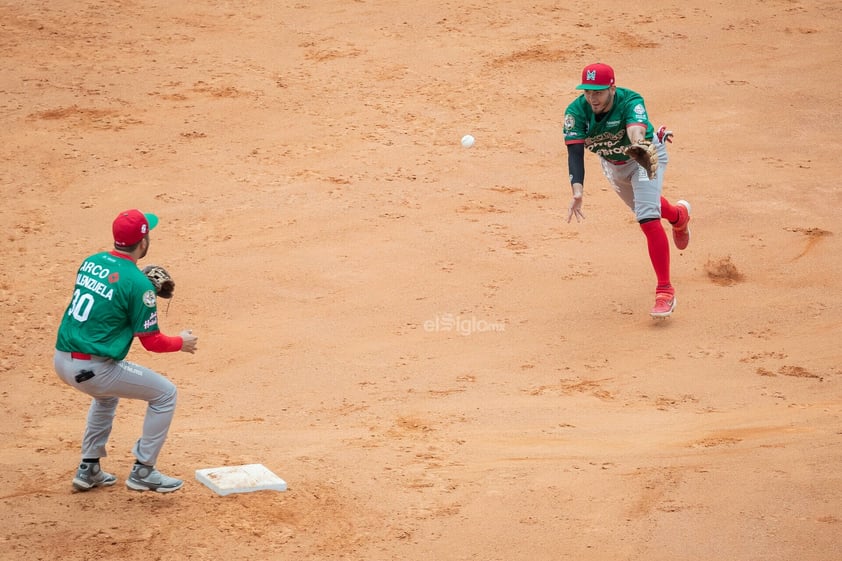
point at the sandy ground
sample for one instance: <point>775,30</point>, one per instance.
<point>409,332</point>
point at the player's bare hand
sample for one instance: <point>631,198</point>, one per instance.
<point>189,341</point>
<point>664,135</point>
<point>575,209</point>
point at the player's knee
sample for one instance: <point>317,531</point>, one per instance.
<point>645,213</point>
<point>166,400</point>
<point>107,403</point>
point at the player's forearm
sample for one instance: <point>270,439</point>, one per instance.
<point>636,132</point>
<point>160,343</point>
<point>576,164</point>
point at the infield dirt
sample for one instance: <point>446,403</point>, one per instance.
<point>409,332</point>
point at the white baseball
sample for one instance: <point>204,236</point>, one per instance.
<point>467,141</point>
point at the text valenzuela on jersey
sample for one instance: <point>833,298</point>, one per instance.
<point>92,284</point>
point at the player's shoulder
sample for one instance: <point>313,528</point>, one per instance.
<point>99,256</point>
<point>631,105</point>
<point>102,262</point>
<point>625,96</point>
<point>128,268</point>
<point>122,269</point>
<point>577,112</point>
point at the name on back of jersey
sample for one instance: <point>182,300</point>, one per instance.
<point>94,285</point>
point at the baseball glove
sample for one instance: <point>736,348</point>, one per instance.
<point>164,285</point>
<point>645,154</point>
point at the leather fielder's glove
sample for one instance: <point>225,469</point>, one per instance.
<point>164,285</point>
<point>645,154</point>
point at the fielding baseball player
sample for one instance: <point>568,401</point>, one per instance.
<point>113,302</point>
<point>612,123</point>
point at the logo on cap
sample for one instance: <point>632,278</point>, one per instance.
<point>596,76</point>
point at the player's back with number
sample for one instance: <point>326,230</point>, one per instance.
<point>112,302</point>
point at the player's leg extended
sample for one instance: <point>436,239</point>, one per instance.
<point>659,254</point>
<point>643,196</point>
<point>647,209</point>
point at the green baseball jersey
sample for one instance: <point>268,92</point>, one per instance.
<point>112,302</point>
<point>607,136</point>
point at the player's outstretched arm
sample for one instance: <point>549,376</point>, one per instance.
<point>576,167</point>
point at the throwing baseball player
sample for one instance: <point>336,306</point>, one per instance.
<point>113,302</point>
<point>612,122</point>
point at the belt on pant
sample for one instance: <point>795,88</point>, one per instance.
<point>80,356</point>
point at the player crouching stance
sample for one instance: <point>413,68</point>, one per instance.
<point>612,122</point>
<point>113,302</point>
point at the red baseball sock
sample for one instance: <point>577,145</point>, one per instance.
<point>659,253</point>
<point>669,211</point>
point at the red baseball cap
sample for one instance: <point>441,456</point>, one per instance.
<point>131,226</point>
<point>596,77</point>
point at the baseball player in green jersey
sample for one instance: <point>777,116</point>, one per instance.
<point>607,120</point>
<point>113,302</point>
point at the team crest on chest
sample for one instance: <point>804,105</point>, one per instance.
<point>149,298</point>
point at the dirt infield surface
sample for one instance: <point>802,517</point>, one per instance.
<point>407,331</point>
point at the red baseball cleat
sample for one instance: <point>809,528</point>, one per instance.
<point>664,305</point>
<point>681,228</point>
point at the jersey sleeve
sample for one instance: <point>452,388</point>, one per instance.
<point>575,123</point>
<point>143,306</point>
<point>159,343</point>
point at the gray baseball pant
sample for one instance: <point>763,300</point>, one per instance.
<point>112,380</point>
<point>630,182</point>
